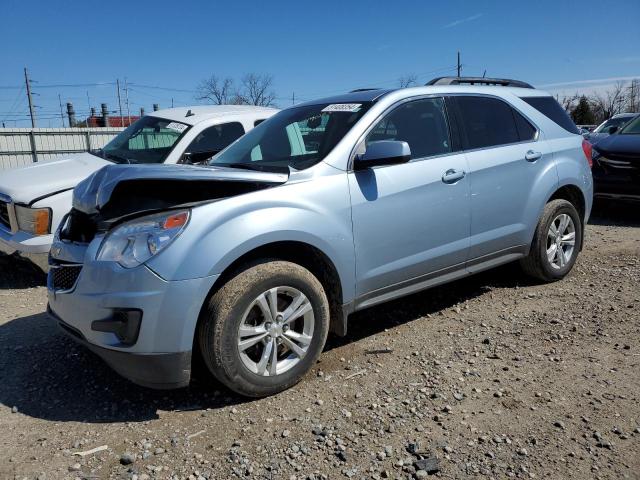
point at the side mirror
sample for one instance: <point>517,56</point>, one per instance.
<point>383,152</point>
<point>613,129</point>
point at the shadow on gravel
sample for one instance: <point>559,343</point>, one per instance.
<point>615,214</point>
<point>388,315</point>
<point>19,272</point>
<point>47,375</point>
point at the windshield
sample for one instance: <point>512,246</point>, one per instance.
<point>149,140</point>
<point>298,137</point>
<point>631,128</point>
<point>612,122</point>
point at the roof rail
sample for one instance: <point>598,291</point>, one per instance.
<point>362,90</point>
<point>503,82</point>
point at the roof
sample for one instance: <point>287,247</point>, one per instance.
<point>207,112</point>
<point>371,95</point>
<point>351,97</point>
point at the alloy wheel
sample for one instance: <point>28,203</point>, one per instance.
<point>276,331</point>
<point>561,240</point>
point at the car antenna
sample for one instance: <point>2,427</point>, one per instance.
<point>189,113</point>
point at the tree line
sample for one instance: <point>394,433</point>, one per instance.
<point>585,109</point>
<point>252,89</point>
<point>597,107</point>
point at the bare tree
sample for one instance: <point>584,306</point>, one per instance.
<point>633,97</point>
<point>611,102</point>
<point>569,102</point>
<point>217,91</point>
<point>257,90</point>
<point>408,80</point>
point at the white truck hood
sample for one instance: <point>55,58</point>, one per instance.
<point>25,184</point>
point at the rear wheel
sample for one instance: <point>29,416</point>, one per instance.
<point>265,328</point>
<point>556,243</point>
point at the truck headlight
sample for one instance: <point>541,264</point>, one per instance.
<point>135,242</point>
<point>33,220</point>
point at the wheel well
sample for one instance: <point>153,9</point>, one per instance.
<point>309,257</point>
<point>572,194</point>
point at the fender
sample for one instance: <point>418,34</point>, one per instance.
<point>230,228</point>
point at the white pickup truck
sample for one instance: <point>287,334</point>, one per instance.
<point>34,198</point>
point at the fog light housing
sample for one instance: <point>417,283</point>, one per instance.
<point>124,323</point>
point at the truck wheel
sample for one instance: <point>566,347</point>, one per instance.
<point>556,242</point>
<point>265,328</point>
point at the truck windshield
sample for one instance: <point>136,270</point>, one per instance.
<point>297,137</point>
<point>149,140</point>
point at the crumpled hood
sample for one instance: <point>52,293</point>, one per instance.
<point>41,179</point>
<point>120,190</point>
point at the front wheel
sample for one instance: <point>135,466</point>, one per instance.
<point>265,328</point>
<point>556,242</point>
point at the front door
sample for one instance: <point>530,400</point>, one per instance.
<point>410,220</point>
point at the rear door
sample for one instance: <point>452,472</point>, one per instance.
<point>505,155</point>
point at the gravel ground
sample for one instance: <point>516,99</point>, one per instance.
<point>492,376</point>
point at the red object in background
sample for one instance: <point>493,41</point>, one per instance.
<point>587,148</point>
<point>94,122</point>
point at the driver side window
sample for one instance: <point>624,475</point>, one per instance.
<point>214,139</point>
<point>421,123</point>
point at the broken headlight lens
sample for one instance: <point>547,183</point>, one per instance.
<point>135,242</point>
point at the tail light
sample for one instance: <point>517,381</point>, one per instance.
<point>587,148</point>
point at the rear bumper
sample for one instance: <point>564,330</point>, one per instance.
<point>153,370</point>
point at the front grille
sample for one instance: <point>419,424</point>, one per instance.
<point>4,214</point>
<point>64,277</point>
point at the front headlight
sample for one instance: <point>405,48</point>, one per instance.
<point>135,242</point>
<point>33,220</point>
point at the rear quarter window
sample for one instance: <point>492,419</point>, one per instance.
<point>551,109</point>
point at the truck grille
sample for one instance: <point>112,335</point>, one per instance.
<point>64,277</point>
<point>4,214</point>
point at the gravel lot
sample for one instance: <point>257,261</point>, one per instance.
<point>491,376</point>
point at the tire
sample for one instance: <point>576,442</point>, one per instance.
<point>538,264</point>
<point>247,300</point>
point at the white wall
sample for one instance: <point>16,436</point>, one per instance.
<point>22,146</point>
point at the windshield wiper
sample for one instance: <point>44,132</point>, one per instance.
<point>117,158</point>
<point>252,166</point>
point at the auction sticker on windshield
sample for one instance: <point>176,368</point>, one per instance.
<point>178,127</point>
<point>342,107</point>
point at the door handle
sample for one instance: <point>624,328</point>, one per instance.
<point>452,175</point>
<point>532,156</point>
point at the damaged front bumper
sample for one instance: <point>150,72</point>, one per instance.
<point>88,304</point>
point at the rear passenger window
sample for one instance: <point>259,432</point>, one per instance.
<point>550,108</point>
<point>487,122</point>
<point>258,122</point>
<point>420,123</point>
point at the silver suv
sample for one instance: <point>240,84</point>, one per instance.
<point>327,208</point>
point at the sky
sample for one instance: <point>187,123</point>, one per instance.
<point>163,49</point>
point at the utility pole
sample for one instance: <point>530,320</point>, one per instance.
<point>61,113</point>
<point>88,101</point>
<point>119,101</point>
<point>293,98</point>
<point>126,96</point>
<point>28,84</point>
<point>171,102</point>
<point>459,64</point>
